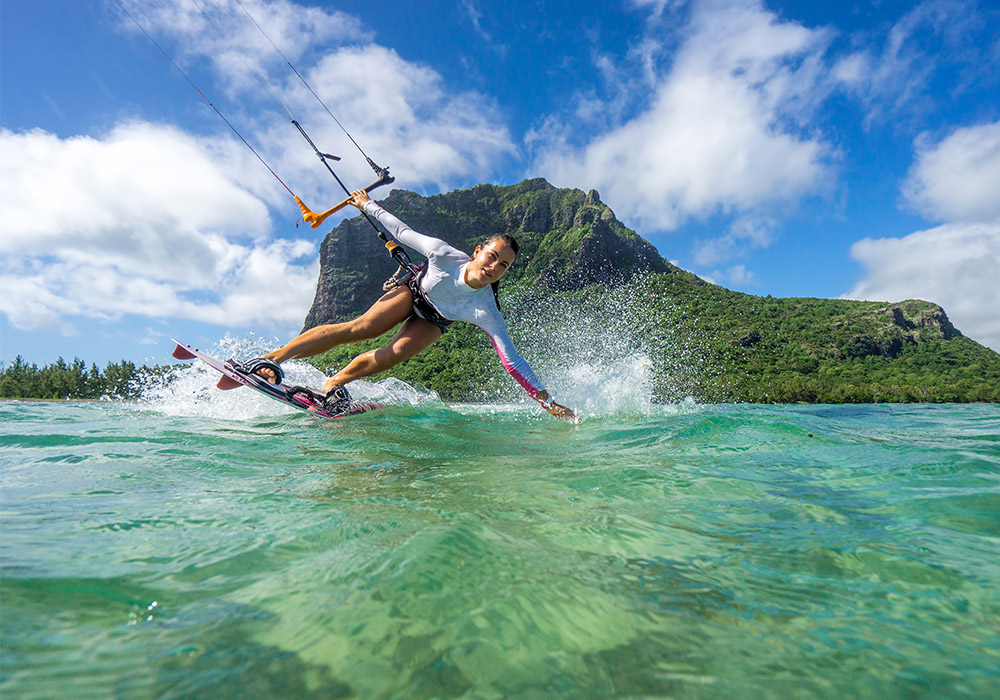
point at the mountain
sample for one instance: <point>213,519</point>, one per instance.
<point>587,292</point>
<point>568,240</point>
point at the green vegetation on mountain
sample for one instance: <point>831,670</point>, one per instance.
<point>762,349</point>
<point>586,288</point>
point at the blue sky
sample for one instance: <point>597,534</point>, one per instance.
<point>783,148</point>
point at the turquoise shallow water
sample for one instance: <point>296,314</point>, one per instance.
<point>155,551</point>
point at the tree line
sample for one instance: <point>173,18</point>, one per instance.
<point>71,380</point>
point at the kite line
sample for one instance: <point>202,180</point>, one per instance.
<point>314,219</point>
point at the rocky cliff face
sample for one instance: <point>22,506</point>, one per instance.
<point>888,330</point>
<point>568,240</point>
<point>921,320</point>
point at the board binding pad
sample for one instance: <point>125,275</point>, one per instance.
<point>301,401</point>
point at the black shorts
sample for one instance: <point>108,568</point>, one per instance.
<point>443,325</point>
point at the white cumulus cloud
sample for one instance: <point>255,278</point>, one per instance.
<point>958,179</point>
<point>143,220</point>
<point>721,133</point>
<point>392,107</point>
<point>403,108</point>
<point>957,264</point>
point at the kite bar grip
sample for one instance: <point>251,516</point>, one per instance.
<point>314,219</point>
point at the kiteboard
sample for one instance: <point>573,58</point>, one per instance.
<point>302,400</point>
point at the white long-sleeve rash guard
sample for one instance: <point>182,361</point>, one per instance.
<point>444,286</point>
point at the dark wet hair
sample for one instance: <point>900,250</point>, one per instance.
<point>503,238</point>
<point>512,242</point>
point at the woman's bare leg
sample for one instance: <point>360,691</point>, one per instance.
<point>391,309</point>
<point>415,335</point>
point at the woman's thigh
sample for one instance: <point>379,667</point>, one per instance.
<point>391,309</point>
<point>414,336</point>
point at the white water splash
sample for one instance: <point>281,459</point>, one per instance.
<point>601,389</point>
<point>590,350</point>
<point>189,390</point>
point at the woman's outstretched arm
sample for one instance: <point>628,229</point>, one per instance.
<point>521,371</point>
<point>425,245</point>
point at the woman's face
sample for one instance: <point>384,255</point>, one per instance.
<point>489,263</point>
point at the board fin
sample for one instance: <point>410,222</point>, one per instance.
<point>182,353</point>
<point>225,383</point>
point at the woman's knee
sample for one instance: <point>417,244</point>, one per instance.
<point>414,337</point>
<point>388,356</point>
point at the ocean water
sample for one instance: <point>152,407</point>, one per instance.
<point>200,544</point>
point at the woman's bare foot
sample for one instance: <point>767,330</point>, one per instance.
<point>268,374</point>
<point>263,367</point>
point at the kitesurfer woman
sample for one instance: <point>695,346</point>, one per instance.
<point>453,287</point>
